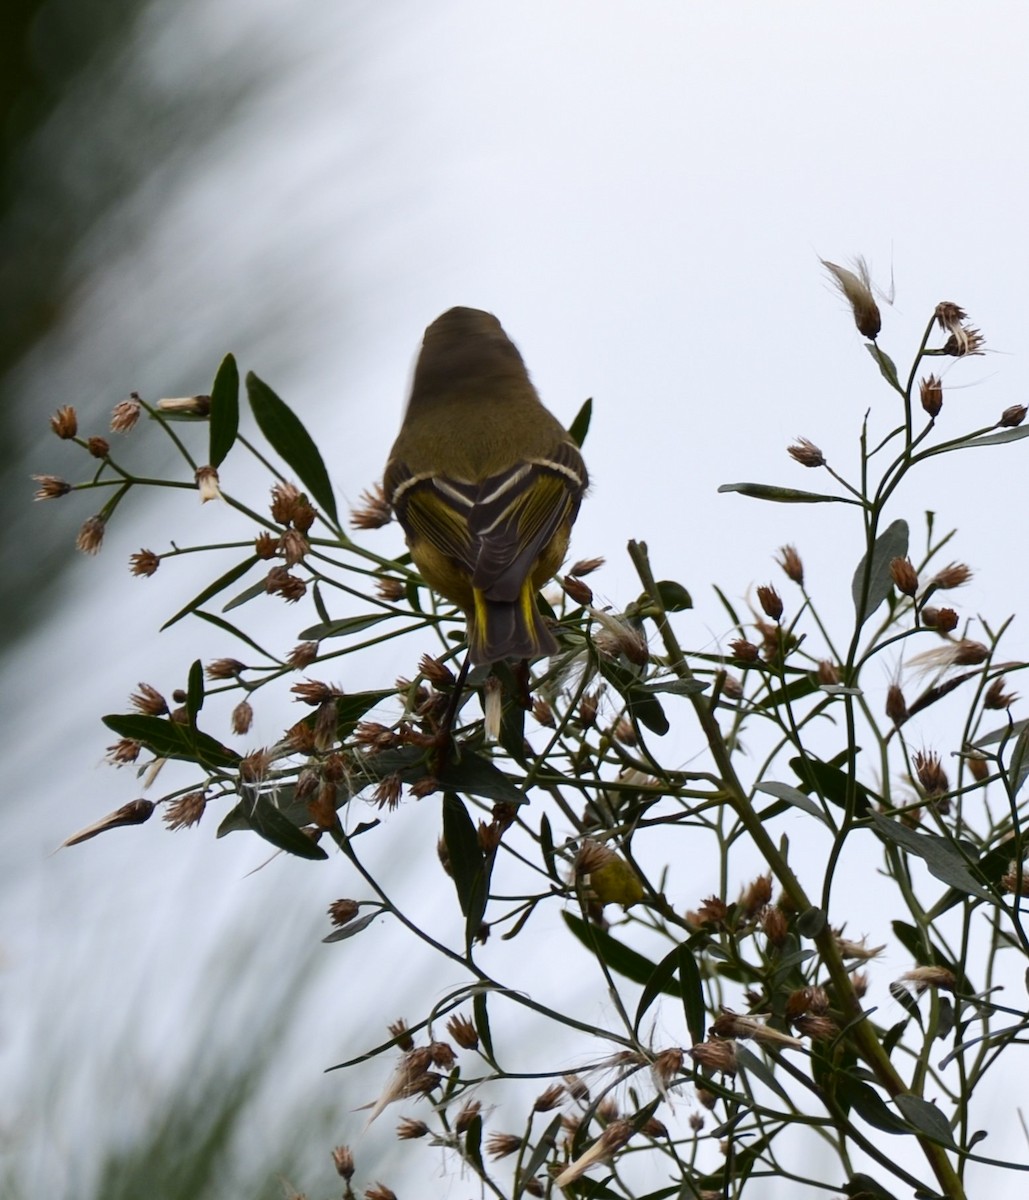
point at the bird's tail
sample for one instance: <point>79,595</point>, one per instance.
<point>502,629</point>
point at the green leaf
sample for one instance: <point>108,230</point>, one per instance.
<point>195,690</point>
<point>993,439</point>
<point>643,706</point>
<point>864,1187</point>
<point>676,687</point>
<point>353,927</point>
<point>480,1014</point>
<point>869,594</point>
<point>885,365</point>
<point>806,685</point>
<point>811,922</point>
<point>942,858</point>
<point>1018,767</point>
<point>224,419</point>
<point>477,776</point>
<point>251,593</point>
<point>468,865</point>
<point>783,495</point>
<point>473,1145</point>
<point>832,783</point>
<point>619,957</point>
<point>268,822</point>
<point>869,1105</point>
<point>547,847</point>
<point>792,795</point>
<point>169,739</point>
<point>661,974</point>
<point>213,589</point>
<point>343,627</point>
<point>926,1118</point>
<point>221,623</point>
<point>674,597</point>
<point>1002,734</point>
<point>352,706</point>
<point>756,1066</point>
<point>692,993</point>
<point>291,441</point>
<point>580,426</point>
<point>545,1144</point>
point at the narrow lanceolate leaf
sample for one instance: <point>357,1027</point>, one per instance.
<point>622,959</point>
<point>169,739</point>
<point>580,426</point>
<point>885,365</point>
<point>692,993</point>
<point>1018,768</point>
<point>291,441</point>
<point>195,690</point>
<point>343,627</point>
<point>941,855</point>
<point>469,867</point>
<point>268,822</point>
<point>990,439</point>
<point>793,796</point>
<point>783,495</point>
<point>213,589</point>
<point>661,974</point>
<point>872,583</point>
<point>224,420</point>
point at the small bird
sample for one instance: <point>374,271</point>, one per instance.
<point>485,483</point>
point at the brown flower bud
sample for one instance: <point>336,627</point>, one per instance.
<point>463,1031</point>
<point>65,422</point>
<point>996,697</point>
<point>126,414</point>
<point>585,566</point>
<point>896,705</point>
<point>50,487</point>
<point>343,1161</point>
<point>857,291</point>
<point>242,717</point>
<point>744,651</point>
<point>500,1145</point>
<point>549,1099</point>
<point>949,315</point>
<point>930,392</point>
<point>99,447</point>
<point>391,589</point>
<point>715,1056</point>
<point>408,1129</point>
<point>770,601</point>
<point>185,811</point>
<point>577,591</point>
<point>148,700</point>
<point>905,578</point>
<point>964,341</point>
<point>404,1040</point>
<point>266,545</point>
<point>374,510</point>
<point>775,924</point>
<point>145,562</point>
<point>951,576</point>
<point>1013,416</point>
<point>806,453</point>
<point>791,563</point>
<point>828,673</point>
<point>91,535</point>
<point>930,772</point>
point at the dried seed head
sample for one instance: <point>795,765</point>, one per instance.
<point>149,700</point>
<point>856,950</point>
<point>929,977</point>
<point>408,1129</point>
<point>242,717</point>
<point>978,765</point>
<point>126,414</point>
<point>732,1025</point>
<point>343,1161</point>
<point>859,981</point>
<point>145,562</point>
<point>770,601</point>
<point>818,1029</point>
<point>904,575</point>
<point>1016,879</point>
<point>379,1192</point>
<point>463,1031</point>
<point>548,1099</point>
<point>667,1066</point>
<point>949,316</point>
<point>943,620</point>
<point>585,566</point>
<point>266,545</point>
<point>466,1115</point>
<point>576,1088</point>
<point>930,392</point>
<point>50,487</point>
<point>65,422</point>
<point>124,751</point>
<point>341,912</point>
<point>542,713</point>
<point>791,564</point>
<point>388,792</point>
<point>968,653</point>
<point>441,1054</point>
<point>390,588</point>
<point>609,1143</point>
<point>500,1145</point>
<point>302,655</point>
<point>718,1055</point>
<point>1013,416</point>
<point>756,895</point>
<point>896,705</point>
<point>224,668</point>
<point>98,447</point>
<point>857,291</point>
<point>285,498</point>
<point>577,591</point>
<point>186,811</point>
<point>91,535</point>
<point>744,651</point>
<point>996,697</point>
<point>280,582</point>
<point>303,515</point>
<point>806,453</point>
<point>828,673</point>
<point>313,691</point>
<point>374,510</point>
<point>404,1040</point>
<point>293,546</point>
<point>964,341</point>
<point>951,576</point>
<point>189,406</point>
<point>712,911</point>
<point>588,706</point>
<point>619,637</point>
<point>775,924</point>
<point>133,813</point>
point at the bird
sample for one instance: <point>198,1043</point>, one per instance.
<point>485,483</point>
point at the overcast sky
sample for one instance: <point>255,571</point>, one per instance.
<point>641,193</point>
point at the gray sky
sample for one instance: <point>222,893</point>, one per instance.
<point>641,193</point>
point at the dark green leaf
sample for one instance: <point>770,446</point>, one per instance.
<point>352,927</point>
<point>674,597</point>
<point>477,776</point>
<point>224,420</point>
<point>260,588</point>
<point>169,739</point>
<point>580,426</point>
<point>943,859</point>
<point>912,941</point>
<point>811,922</point>
<point>547,847</point>
<point>806,685</point>
<point>676,687</point>
<point>726,605</point>
<point>869,1105</point>
<point>926,1118</point>
<point>832,783</point>
<point>783,495</point>
<point>291,441</point>
<point>343,627</point>
<point>791,795</point>
<point>756,1067</point>
<point>885,365</point>
<point>1018,766</point>
<point>221,623</point>
<point>195,690</point>
<point>872,583</point>
<point>1002,734</point>
<point>619,957</point>
<point>664,971</point>
<point>995,439</point>
<point>692,993</point>
<point>467,863</point>
<point>213,589</point>
<point>643,706</point>
<point>480,1013</point>
<point>473,1145</point>
<point>265,820</point>
<point>864,1187</point>
<point>545,1144</point>
<point>352,706</point>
